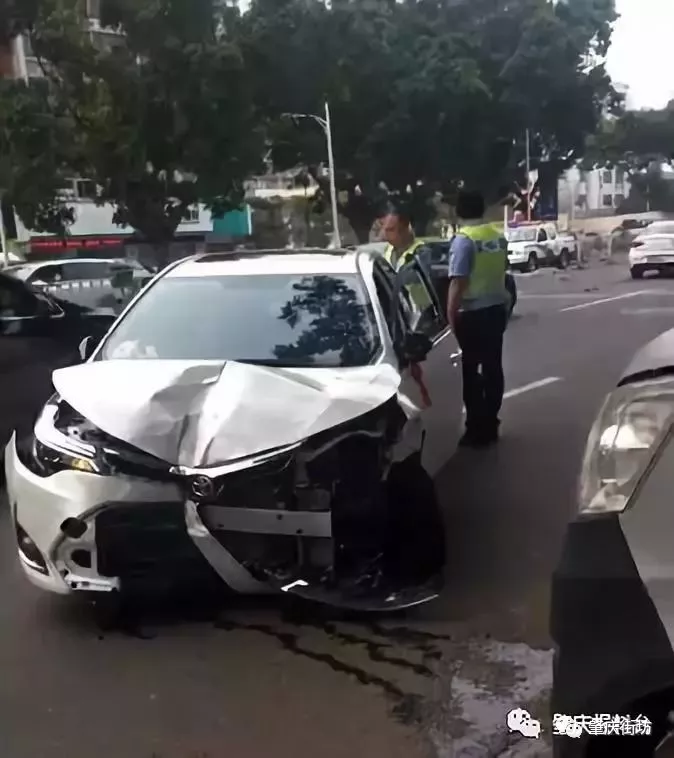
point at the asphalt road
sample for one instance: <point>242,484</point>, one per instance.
<point>261,679</point>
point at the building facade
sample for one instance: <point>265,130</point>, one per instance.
<point>601,189</point>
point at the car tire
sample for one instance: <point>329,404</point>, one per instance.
<point>532,263</point>
<point>564,260</point>
<point>637,272</point>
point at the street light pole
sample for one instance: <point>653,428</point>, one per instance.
<point>326,126</point>
<point>333,184</point>
<point>528,177</point>
<point>3,236</point>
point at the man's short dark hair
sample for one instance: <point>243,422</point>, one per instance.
<point>470,205</point>
<point>400,212</point>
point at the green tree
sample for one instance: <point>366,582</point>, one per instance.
<point>640,143</point>
<point>426,95</point>
<point>160,115</point>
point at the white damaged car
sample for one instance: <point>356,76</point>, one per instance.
<point>265,422</point>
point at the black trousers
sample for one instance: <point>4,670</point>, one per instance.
<point>480,337</point>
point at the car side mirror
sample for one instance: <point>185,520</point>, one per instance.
<point>416,347</point>
<point>87,347</point>
<point>122,278</point>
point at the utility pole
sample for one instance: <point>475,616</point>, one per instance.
<point>528,169</point>
<point>326,126</point>
<point>333,183</point>
<point>3,236</point>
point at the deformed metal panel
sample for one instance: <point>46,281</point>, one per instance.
<point>300,523</point>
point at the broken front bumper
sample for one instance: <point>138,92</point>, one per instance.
<point>83,532</point>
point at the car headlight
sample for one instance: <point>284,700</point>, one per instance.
<point>62,440</point>
<point>623,444</point>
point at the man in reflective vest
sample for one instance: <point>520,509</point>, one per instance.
<point>477,313</point>
<point>401,249</point>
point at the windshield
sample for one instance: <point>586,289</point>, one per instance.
<point>663,227</point>
<point>272,319</point>
<point>522,235</point>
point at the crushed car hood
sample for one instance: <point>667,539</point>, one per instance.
<point>656,357</point>
<point>198,414</point>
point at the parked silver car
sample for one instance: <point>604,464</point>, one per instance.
<point>613,590</point>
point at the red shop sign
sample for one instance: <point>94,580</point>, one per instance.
<point>75,243</point>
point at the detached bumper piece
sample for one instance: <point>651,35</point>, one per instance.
<point>148,548</point>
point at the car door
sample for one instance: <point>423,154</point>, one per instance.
<point>434,386</point>
<point>29,352</point>
<point>543,248</point>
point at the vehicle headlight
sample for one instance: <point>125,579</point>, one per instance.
<point>62,440</point>
<point>623,444</point>
<point>47,451</point>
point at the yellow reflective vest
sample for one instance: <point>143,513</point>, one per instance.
<point>491,261</point>
<point>416,290</point>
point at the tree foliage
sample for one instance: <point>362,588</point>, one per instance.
<point>159,115</point>
<point>640,143</point>
<point>427,94</point>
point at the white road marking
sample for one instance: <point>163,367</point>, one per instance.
<point>624,296</point>
<point>556,296</point>
<point>532,386</point>
<point>646,311</point>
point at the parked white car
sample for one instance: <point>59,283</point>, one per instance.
<point>267,421</point>
<point>533,245</point>
<point>654,253</point>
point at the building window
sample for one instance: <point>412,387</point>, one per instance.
<point>619,175</point>
<point>192,215</point>
<point>85,189</point>
<point>581,201</point>
<point>27,46</point>
<point>93,8</point>
<point>607,176</point>
<point>607,201</point>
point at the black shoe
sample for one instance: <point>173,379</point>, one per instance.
<point>490,438</point>
<point>471,439</point>
<point>479,440</point>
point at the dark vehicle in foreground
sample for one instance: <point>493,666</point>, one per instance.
<point>38,334</point>
<point>613,589</point>
<point>263,422</point>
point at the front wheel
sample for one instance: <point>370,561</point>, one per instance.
<point>532,263</point>
<point>564,260</point>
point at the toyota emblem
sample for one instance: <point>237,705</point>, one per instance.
<point>203,488</point>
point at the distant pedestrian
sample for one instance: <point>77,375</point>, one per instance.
<point>477,313</point>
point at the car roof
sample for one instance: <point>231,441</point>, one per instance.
<point>33,265</point>
<point>256,262</point>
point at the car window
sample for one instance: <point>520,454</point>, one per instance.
<point>50,274</point>
<point>270,319</point>
<point>385,282</point>
<point>419,309</point>
<point>542,236</point>
<point>439,253</point>
<point>85,270</point>
<point>551,232</point>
